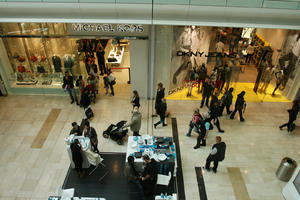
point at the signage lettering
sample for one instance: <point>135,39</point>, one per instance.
<point>126,28</point>
<point>200,54</point>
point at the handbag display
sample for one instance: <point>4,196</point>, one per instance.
<point>21,58</point>
<point>33,58</point>
<point>21,69</point>
<point>41,69</point>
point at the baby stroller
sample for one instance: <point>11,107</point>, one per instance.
<point>116,132</point>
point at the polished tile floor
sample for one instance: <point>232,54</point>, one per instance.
<point>254,148</point>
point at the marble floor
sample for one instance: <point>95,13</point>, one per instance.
<point>254,147</point>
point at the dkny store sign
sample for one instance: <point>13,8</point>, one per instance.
<point>108,29</point>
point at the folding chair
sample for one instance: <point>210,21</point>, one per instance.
<point>95,160</point>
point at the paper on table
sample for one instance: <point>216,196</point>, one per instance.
<point>163,179</point>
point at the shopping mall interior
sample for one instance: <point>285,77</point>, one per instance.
<point>36,114</point>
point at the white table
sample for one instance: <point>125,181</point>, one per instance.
<point>85,144</point>
<point>133,146</point>
<point>118,57</point>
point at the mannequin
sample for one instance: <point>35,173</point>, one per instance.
<point>57,63</point>
<point>68,63</point>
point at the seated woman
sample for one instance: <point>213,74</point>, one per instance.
<point>77,157</point>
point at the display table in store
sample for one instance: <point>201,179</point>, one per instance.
<point>85,144</point>
<point>162,149</point>
<point>115,57</point>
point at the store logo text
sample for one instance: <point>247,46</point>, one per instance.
<point>108,28</point>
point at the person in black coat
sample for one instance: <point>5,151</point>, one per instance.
<point>90,132</point>
<point>161,111</point>
<point>135,99</point>
<point>77,157</point>
<point>226,101</point>
<point>214,112</point>
<point>293,112</point>
<point>240,104</point>
<point>69,86</point>
<point>149,176</point>
<point>85,99</point>
<point>160,94</point>
<point>202,74</point>
<point>216,155</point>
<point>207,90</point>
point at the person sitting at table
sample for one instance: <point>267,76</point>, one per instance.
<point>75,130</point>
<point>149,176</point>
<point>133,176</point>
<point>77,157</point>
<point>90,132</point>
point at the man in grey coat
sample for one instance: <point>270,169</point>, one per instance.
<point>135,122</point>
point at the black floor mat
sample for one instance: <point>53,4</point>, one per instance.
<point>113,186</point>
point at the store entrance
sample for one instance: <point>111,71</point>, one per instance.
<point>99,58</point>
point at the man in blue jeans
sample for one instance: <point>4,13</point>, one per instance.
<point>69,86</point>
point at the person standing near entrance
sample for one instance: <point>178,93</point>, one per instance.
<point>240,105</point>
<point>207,90</point>
<point>161,111</point>
<point>135,122</point>
<point>216,155</point>
<point>100,52</point>
<point>69,86</point>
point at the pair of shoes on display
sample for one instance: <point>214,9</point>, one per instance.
<point>197,146</point>
<point>188,135</point>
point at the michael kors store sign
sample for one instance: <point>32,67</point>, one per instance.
<point>108,29</point>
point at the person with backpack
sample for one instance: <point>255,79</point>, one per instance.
<point>240,105</point>
<point>293,112</point>
<point>216,155</point>
<point>204,128</point>
<point>194,122</point>
<point>226,101</point>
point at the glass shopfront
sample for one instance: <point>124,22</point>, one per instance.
<point>252,59</point>
<point>40,53</point>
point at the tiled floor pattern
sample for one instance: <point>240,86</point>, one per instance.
<point>238,183</point>
<point>255,146</point>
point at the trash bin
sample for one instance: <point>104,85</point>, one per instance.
<point>286,169</point>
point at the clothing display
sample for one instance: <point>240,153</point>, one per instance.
<point>57,63</point>
<point>68,62</point>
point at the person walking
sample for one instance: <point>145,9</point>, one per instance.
<point>135,122</point>
<point>77,157</point>
<point>240,105</point>
<point>226,101</point>
<point>160,93</point>
<point>207,90</point>
<point>161,111</point>
<point>216,155</point>
<point>204,128</point>
<point>69,86</point>
<point>214,113</point>
<point>111,82</point>
<point>90,132</point>
<point>279,80</point>
<point>194,122</point>
<point>293,112</point>
<point>135,101</point>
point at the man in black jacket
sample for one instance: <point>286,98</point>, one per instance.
<point>226,101</point>
<point>69,86</point>
<point>240,104</point>
<point>207,90</point>
<point>216,155</point>
<point>160,94</point>
<point>161,111</point>
<point>149,176</point>
<point>90,132</point>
